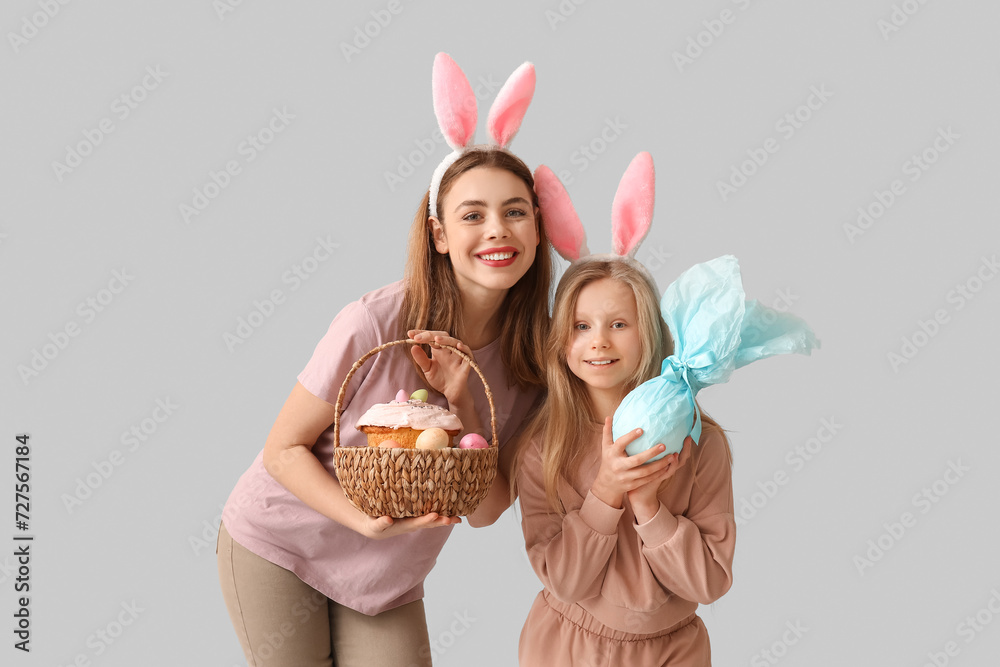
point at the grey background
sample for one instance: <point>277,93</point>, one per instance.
<point>145,535</point>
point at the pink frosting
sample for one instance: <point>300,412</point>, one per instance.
<point>413,414</point>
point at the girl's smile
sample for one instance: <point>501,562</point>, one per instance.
<point>605,347</point>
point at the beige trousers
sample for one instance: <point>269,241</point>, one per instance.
<point>283,622</point>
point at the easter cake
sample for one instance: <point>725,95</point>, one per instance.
<point>409,423</point>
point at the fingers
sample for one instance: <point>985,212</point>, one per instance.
<point>643,457</point>
<point>437,339</point>
<point>669,470</point>
<point>385,526</point>
<point>643,472</point>
<point>606,437</point>
<point>421,358</point>
<point>432,337</point>
<point>422,521</point>
<point>431,520</point>
<point>689,445</point>
<point>425,335</point>
<point>381,524</point>
<point>654,474</point>
<point>621,442</point>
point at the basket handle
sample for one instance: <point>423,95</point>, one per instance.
<point>360,362</point>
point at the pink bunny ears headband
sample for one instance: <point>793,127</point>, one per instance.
<point>455,108</point>
<point>714,328</point>
<point>631,211</point>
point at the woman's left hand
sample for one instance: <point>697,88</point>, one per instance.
<point>445,371</point>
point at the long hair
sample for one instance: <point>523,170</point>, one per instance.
<point>432,299</point>
<point>567,417</point>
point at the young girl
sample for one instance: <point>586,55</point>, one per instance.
<point>628,535</point>
<point>308,579</point>
<point>626,551</point>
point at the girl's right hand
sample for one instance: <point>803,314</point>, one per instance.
<point>381,527</point>
<point>620,473</point>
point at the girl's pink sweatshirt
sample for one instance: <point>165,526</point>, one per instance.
<point>638,578</point>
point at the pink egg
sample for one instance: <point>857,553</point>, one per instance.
<point>401,396</point>
<point>388,443</point>
<point>472,441</point>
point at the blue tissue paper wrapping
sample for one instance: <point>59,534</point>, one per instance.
<point>715,331</point>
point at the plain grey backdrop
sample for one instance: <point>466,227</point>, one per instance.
<point>192,190</point>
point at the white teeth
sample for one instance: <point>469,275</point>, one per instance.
<point>600,363</point>
<point>497,256</point>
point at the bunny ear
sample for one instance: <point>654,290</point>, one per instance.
<point>632,209</point>
<point>510,105</point>
<point>562,224</point>
<point>454,102</point>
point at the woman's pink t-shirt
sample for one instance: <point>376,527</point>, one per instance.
<point>369,576</point>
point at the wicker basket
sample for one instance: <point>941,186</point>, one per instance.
<point>398,482</point>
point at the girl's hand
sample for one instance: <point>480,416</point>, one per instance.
<point>445,371</point>
<point>620,473</point>
<point>644,499</point>
<point>381,527</point>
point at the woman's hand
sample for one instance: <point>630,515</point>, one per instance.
<point>644,499</point>
<point>620,473</point>
<point>445,371</point>
<point>293,465</point>
<point>381,527</point>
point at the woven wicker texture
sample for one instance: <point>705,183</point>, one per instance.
<point>412,482</point>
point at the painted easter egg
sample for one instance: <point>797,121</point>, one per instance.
<point>472,441</point>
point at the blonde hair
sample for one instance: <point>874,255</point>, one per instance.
<point>567,418</point>
<point>432,299</point>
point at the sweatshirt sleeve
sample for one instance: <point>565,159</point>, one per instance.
<point>569,553</point>
<point>692,554</point>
